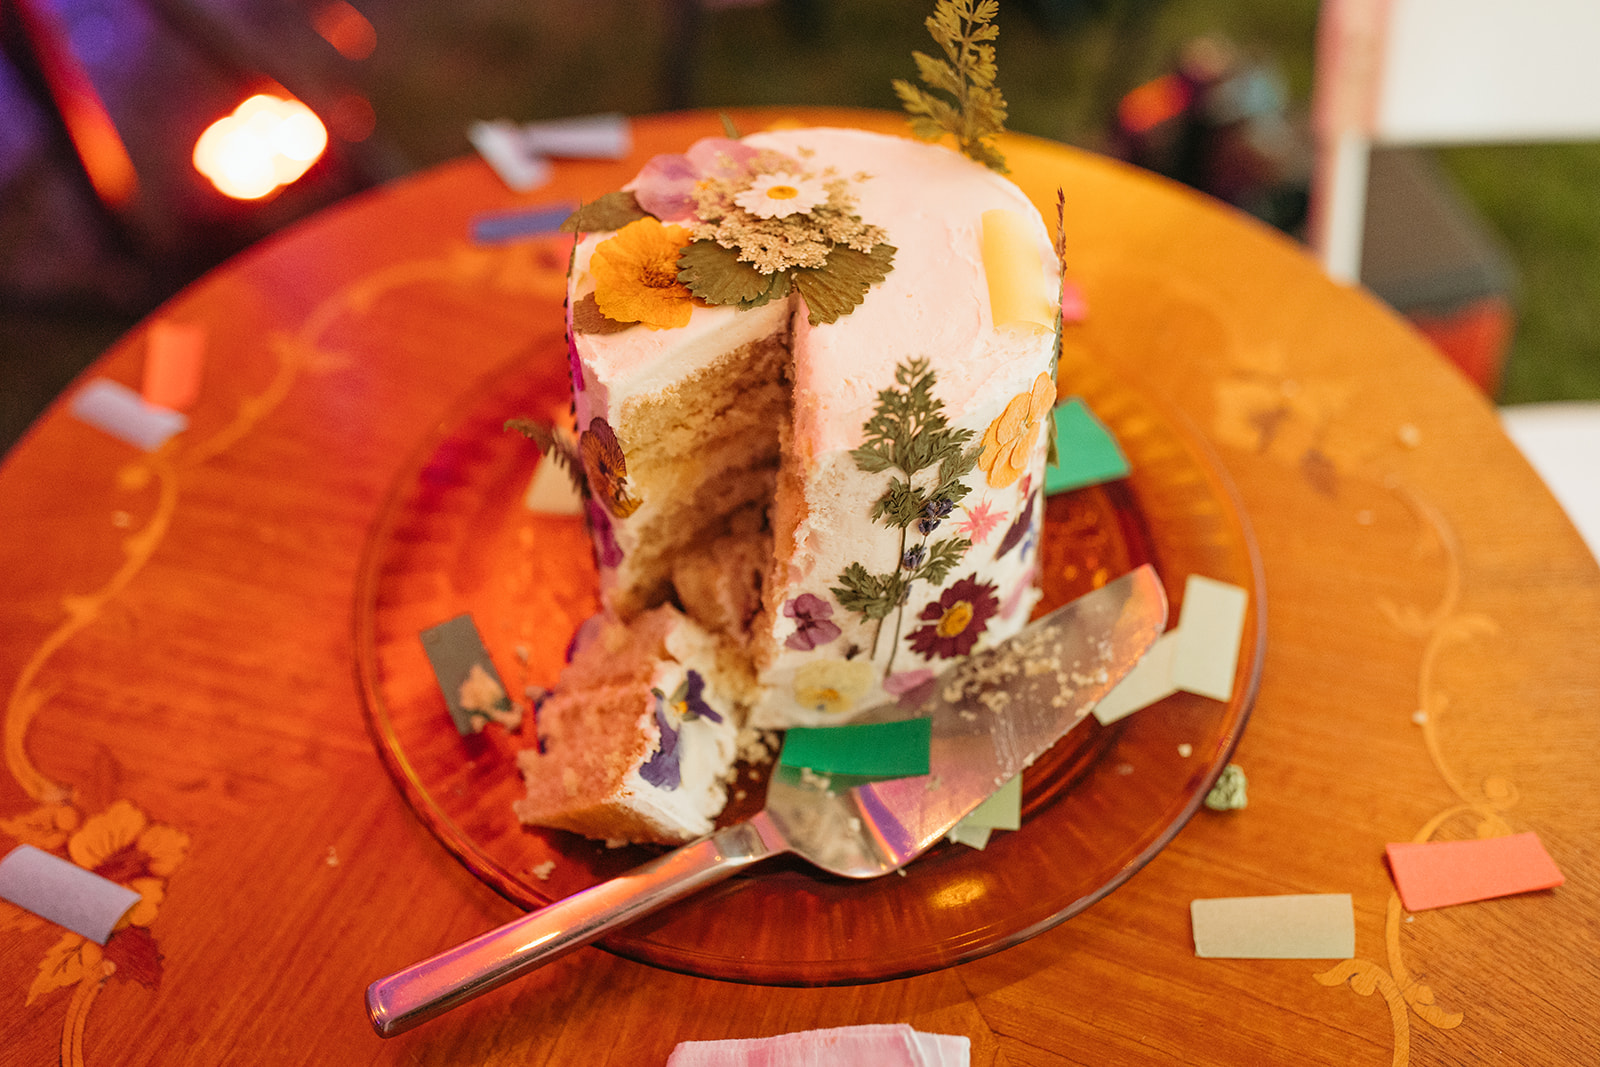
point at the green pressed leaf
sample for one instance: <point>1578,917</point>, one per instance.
<point>588,318</point>
<point>942,558</point>
<point>936,73</point>
<point>836,288</point>
<point>717,275</point>
<point>611,212</point>
<point>777,288</point>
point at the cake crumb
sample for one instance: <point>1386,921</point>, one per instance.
<point>1409,435</point>
<point>1186,750</point>
<point>1419,717</point>
<point>332,859</point>
<point>542,871</point>
<point>121,519</point>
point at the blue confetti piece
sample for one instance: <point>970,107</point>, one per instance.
<point>499,227</point>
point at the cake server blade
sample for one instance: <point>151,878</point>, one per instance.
<point>992,715</point>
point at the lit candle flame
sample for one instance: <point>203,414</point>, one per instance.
<point>267,143</point>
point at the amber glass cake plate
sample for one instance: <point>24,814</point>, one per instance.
<point>454,536</point>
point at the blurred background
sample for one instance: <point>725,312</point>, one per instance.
<point>103,213</point>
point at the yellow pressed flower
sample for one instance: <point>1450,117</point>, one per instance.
<point>636,275</point>
<point>1010,438</point>
<point>832,685</point>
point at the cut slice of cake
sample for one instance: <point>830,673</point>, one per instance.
<point>635,744</point>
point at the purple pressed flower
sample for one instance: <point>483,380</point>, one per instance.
<point>934,512</point>
<point>812,617</point>
<point>661,770</point>
<point>666,185</point>
<point>1020,528</point>
<point>574,363</point>
<point>913,557</point>
<point>606,549</point>
<point>693,704</point>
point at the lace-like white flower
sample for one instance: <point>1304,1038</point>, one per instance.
<point>777,196</point>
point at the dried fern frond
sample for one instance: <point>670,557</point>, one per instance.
<point>964,30</point>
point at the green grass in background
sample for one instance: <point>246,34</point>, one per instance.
<point>1544,203</point>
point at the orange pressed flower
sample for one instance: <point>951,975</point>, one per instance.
<point>606,468</point>
<point>1009,440</point>
<point>636,275</point>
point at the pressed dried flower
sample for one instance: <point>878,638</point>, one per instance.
<point>777,196</point>
<point>1010,438</point>
<point>636,275</point>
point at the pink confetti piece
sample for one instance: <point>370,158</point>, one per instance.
<point>175,354</point>
<point>884,1045</point>
<point>1437,874</point>
<point>1074,305</point>
<point>63,892</point>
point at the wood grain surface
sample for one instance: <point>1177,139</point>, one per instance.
<point>182,713</point>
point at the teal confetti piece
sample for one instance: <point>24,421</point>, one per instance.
<point>1086,452</point>
<point>866,750</point>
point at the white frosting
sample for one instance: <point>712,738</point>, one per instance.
<point>934,304</point>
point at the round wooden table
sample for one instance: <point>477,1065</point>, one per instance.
<point>182,710</point>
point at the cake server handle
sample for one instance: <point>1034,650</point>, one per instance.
<point>424,990</point>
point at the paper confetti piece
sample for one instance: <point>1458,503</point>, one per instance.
<point>1308,926</point>
<point>1149,681</point>
<point>175,353</point>
<point>1087,453</point>
<point>124,414</point>
<point>882,1045</point>
<point>1002,811</point>
<point>497,143</point>
<point>1199,655</point>
<point>972,836</point>
<point>497,227</point>
<point>867,750</point>
<point>551,492</point>
<point>1074,305</point>
<point>605,136</point>
<point>63,892</point>
<point>1210,626</point>
<point>521,155</point>
<point>461,665</point>
<point>1437,874</point>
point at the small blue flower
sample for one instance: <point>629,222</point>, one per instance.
<point>913,557</point>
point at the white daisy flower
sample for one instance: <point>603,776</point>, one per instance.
<point>777,196</point>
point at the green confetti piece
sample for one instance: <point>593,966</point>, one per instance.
<point>867,750</point>
<point>1003,809</point>
<point>1086,453</point>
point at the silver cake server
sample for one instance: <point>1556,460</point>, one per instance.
<point>992,714</point>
